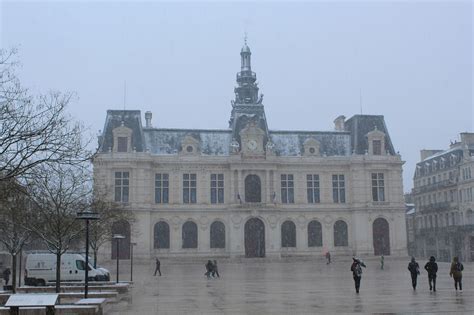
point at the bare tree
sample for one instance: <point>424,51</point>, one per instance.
<point>59,192</point>
<point>101,230</point>
<point>14,210</point>
<point>34,130</point>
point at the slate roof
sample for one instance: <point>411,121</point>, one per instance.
<point>165,141</point>
<point>360,125</point>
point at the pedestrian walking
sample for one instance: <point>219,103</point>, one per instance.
<point>328,258</point>
<point>6,275</point>
<point>432,268</point>
<point>456,273</point>
<point>356,269</point>
<point>158,265</point>
<point>214,270</point>
<point>381,262</point>
<point>414,269</point>
<point>209,267</point>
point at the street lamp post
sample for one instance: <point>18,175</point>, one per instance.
<point>87,216</point>
<point>118,237</point>
<point>131,260</point>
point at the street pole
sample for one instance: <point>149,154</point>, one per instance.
<point>87,215</point>
<point>131,262</point>
<point>118,237</point>
<point>86,289</point>
<point>117,252</point>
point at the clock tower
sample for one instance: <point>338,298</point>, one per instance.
<point>247,107</point>
<point>252,139</point>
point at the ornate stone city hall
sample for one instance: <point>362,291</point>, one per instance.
<point>249,191</point>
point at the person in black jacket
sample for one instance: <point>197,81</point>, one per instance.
<point>6,275</point>
<point>209,268</point>
<point>356,269</point>
<point>215,271</point>
<point>414,269</point>
<point>157,268</point>
<point>432,268</point>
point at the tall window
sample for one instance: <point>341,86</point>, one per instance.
<point>338,189</point>
<point>378,187</point>
<point>217,188</point>
<point>288,234</point>
<point>217,235</point>
<point>122,144</point>
<point>121,186</point>
<point>340,233</point>
<point>312,188</point>
<point>315,234</point>
<point>377,147</point>
<point>161,188</point>
<point>253,189</point>
<point>287,188</point>
<point>190,235</point>
<point>161,233</point>
<point>189,188</point>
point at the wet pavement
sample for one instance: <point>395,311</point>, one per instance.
<point>297,287</point>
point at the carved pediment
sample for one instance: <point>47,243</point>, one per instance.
<point>311,147</point>
<point>190,146</point>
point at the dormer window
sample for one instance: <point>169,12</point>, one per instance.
<point>122,139</point>
<point>122,144</point>
<point>189,146</point>
<point>377,147</point>
<point>376,142</point>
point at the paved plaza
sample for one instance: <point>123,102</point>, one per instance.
<point>296,287</point>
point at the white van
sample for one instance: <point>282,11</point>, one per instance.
<point>41,269</point>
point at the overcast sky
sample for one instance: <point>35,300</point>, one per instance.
<point>412,62</point>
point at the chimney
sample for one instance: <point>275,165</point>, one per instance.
<point>148,119</point>
<point>427,153</point>
<point>339,123</point>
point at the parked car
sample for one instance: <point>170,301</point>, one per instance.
<point>41,268</point>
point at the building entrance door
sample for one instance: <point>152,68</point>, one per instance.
<point>254,234</point>
<point>381,235</point>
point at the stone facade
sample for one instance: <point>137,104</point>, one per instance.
<point>443,195</point>
<point>248,191</point>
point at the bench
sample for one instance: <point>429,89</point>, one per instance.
<point>121,288</point>
<point>59,309</point>
<point>74,296</point>
<point>38,300</point>
<point>99,302</point>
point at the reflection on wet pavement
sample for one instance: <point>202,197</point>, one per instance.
<point>293,287</point>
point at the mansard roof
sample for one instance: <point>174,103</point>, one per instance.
<point>360,125</point>
<point>216,142</point>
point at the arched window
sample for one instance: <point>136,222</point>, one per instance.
<point>161,233</point>
<point>217,235</point>
<point>190,235</point>
<point>121,227</point>
<point>381,236</point>
<point>315,234</point>
<point>288,234</point>
<point>340,234</point>
<point>469,217</point>
<point>253,189</point>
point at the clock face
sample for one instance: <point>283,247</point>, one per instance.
<point>252,145</point>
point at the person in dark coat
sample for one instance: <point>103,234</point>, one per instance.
<point>6,275</point>
<point>328,258</point>
<point>432,268</point>
<point>356,269</point>
<point>209,268</point>
<point>214,270</point>
<point>456,273</point>
<point>414,269</point>
<point>158,265</point>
